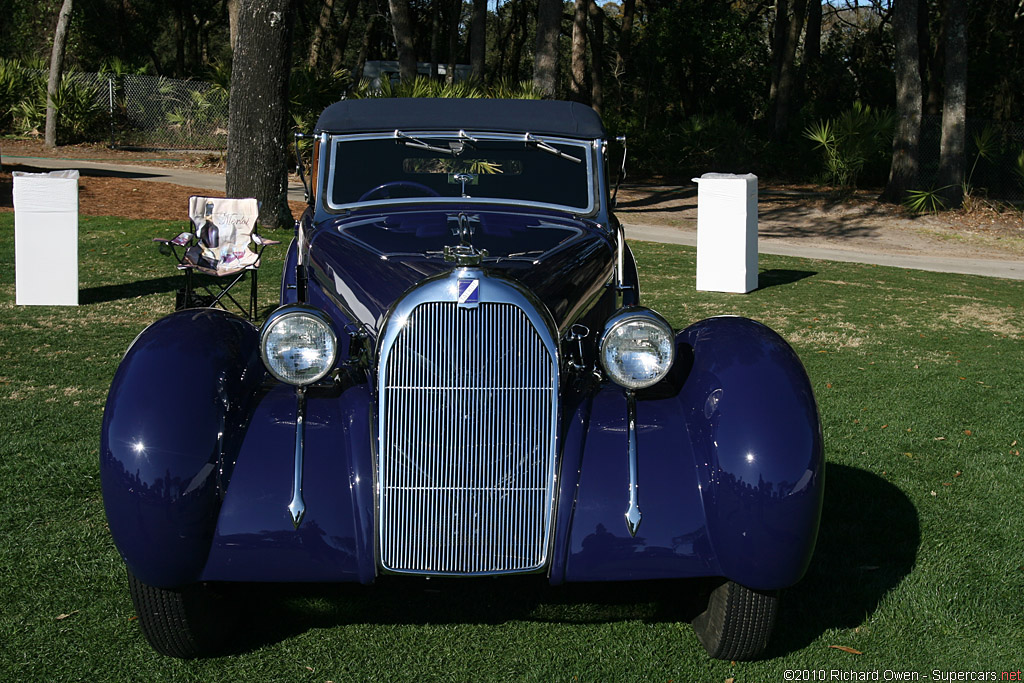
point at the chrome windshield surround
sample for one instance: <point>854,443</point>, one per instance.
<point>467,411</point>
<point>588,150</point>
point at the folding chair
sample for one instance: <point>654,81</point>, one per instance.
<point>218,246</point>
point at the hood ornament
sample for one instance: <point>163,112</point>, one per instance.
<point>464,254</point>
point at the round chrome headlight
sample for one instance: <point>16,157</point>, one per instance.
<point>298,345</point>
<point>637,348</point>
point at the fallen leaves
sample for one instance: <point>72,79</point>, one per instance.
<point>843,648</point>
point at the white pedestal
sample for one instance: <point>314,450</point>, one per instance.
<point>46,238</point>
<point>726,232</point>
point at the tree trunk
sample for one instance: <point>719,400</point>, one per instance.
<point>435,37</point>
<point>505,32</point>
<point>518,34</point>
<point>596,56</point>
<point>778,47</point>
<point>233,6</point>
<point>179,38</point>
<point>401,24</point>
<point>341,40</point>
<point>812,37</point>
<point>453,39</point>
<point>319,31</point>
<point>478,39</point>
<point>933,60</point>
<point>954,103</point>
<point>258,109</point>
<point>786,93</point>
<point>60,40</point>
<point>545,59</point>
<point>903,173</point>
<point>364,45</point>
<point>577,84</point>
<point>625,38</point>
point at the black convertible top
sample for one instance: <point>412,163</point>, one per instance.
<point>542,117</point>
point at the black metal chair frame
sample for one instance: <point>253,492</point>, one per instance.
<point>215,289</point>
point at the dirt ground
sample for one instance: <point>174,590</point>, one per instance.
<point>100,195</point>
<point>798,214</point>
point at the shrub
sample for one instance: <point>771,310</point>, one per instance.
<point>13,84</point>
<point>79,114</point>
<point>851,141</point>
<point>424,86</point>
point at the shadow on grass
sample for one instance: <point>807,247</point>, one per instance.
<point>130,290</point>
<point>868,542</point>
<point>781,276</point>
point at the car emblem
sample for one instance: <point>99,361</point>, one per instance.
<point>469,292</point>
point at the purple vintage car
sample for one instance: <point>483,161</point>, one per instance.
<point>460,381</point>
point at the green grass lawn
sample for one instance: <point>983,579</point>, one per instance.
<point>919,566</point>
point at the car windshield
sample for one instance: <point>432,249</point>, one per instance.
<point>406,167</point>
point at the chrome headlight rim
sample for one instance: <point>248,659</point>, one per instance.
<point>635,315</point>
<point>285,313</point>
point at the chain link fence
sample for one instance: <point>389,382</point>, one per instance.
<point>165,113</point>
<point>131,111</point>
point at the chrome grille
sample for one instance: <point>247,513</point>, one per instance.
<point>466,460</point>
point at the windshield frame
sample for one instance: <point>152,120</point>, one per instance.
<point>588,150</point>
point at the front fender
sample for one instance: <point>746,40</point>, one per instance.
<point>172,426</point>
<point>756,436</point>
<point>730,468</point>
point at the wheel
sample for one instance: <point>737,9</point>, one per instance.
<point>184,622</point>
<point>384,191</point>
<point>738,621</point>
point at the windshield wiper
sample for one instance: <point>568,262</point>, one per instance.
<point>410,141</point>
<point>454,147</point>
<point>540,144</point>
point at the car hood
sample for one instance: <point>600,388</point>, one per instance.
<point>364,262</point>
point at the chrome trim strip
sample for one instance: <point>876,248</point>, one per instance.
<point>470,490</point>
<point>585,145</point>
<point>297,506</point>
<point>633,515</point>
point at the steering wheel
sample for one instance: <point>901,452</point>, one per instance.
<point>385,190</point>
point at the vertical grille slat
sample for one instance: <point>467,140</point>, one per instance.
<point>467,453</point>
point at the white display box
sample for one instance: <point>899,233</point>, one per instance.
<point>46,238</point>
<point>726,232</point>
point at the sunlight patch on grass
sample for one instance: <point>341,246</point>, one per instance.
<point>1007,322</point>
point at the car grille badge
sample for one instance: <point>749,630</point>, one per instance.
<point>469,292</point>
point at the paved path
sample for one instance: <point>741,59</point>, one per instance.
<point>651,233</point>
<point>1013,270</point>
<point>160,174</point>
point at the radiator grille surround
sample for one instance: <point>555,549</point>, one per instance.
<point>467,412</point>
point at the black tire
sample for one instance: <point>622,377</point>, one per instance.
<point>184,622</point>
<point>738,621</point>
